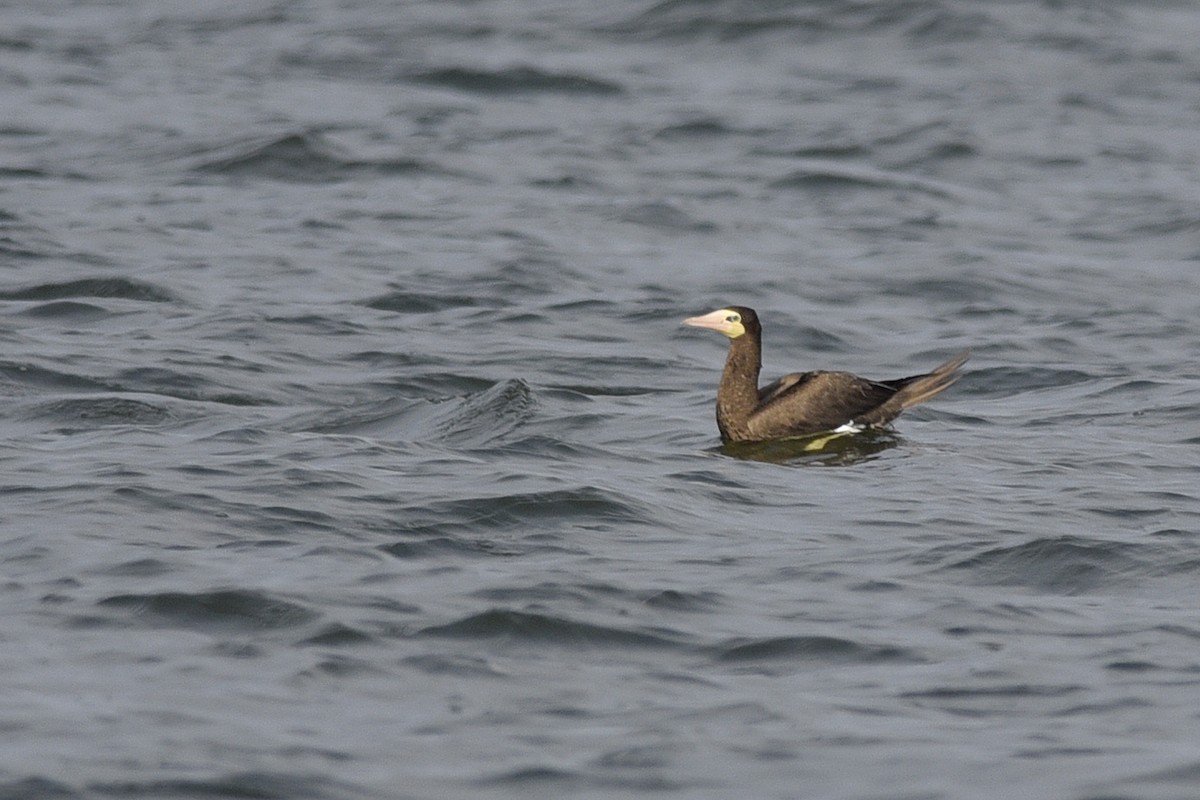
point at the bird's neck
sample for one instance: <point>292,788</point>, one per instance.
<point>737,396</point>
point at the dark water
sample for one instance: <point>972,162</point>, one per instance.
<point>351,448</point>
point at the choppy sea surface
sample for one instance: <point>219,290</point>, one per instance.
<point>350,447</point>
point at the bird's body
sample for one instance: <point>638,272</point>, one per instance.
<point>805,403</point>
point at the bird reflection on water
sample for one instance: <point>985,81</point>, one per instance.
<point>820,450</point>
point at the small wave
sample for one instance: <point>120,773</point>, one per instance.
<point>13,248</point>
<point>1016,380</point>
<point>609,780</point>
<point>548,592</point>
<point>437,546</point>
<point>583,505</point>
<point>982,699</point>
<point>1185,775</point>
<point>66,311</point>
<point>956,289</point>
<point>26,172</point>
<point>410,302</point>
<point>121,288</point>
<point>722,21</point>
<point>825,176</point>
<point>697,128</point>
<point>932,23</point>
<point>1061,564</point>
<point>476,420</point>
<point>337,635</point>
<point>183,386</point>
<point>339,666</point>
<point>463,666</point>
<point>470,526</point>
<point>566,181</point>
<point>101,411</point>
<point>536,780</point>
<point>548,447</point>
<point>665,217</point>
<point>31,376</point>
<point>38,787</point>
<point>794,649</point>
<point>259,785</point>
<point>521,626</point>
<point>137,381</point>
<point>734,20</point>
<point>138,568</point>
<point>514,80</point>
<point>303,158</point>
<point>676,600</point>
<point>1002,691</point>
<point>242,610</point>
<point>487,416</point>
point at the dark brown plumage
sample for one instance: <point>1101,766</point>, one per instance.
<point>805,403</point>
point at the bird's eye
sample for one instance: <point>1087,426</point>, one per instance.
<point>733,318</point>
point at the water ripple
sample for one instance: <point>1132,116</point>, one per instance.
<point>517,80</point>
<point>1066,564</point>
<point>234,609</point>
<point>306,157</point>
<point>521,626</point>
<point>258,785</point>
<point>792,652</point>
<point>97,411</point>
<point>106,287</point>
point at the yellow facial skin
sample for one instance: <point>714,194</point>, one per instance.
<point>724,320</point>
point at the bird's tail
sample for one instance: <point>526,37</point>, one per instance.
<point>917,389</point>
<point>920,388</point>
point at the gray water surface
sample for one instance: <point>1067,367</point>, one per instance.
<point>351,447</point>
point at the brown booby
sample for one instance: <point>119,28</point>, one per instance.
<point>805,403</point>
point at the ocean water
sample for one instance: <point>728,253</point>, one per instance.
<point>350,446</point>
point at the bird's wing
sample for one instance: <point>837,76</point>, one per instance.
<point>813,402</point>
<point>772,390</point>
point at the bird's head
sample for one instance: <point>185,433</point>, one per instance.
<point>734,321</point>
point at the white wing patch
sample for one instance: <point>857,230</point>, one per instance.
<point>850,427</point>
